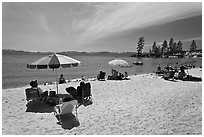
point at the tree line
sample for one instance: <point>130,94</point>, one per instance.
<point>166,48</point>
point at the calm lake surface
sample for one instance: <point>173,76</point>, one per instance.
<point>16,74</point>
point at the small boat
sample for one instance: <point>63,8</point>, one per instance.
<point>138,63</point>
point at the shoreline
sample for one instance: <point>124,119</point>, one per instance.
<point>71,80</point>
<point>89,79</point>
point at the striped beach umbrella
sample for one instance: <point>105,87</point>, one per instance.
<point>54,62</point>
<point>119,62</point>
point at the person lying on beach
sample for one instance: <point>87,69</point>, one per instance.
<point>159,70</point>
<point>61,79</point>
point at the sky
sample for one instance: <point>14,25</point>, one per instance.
<point>98,26</point>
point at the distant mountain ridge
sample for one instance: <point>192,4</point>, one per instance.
<point>70,53</point>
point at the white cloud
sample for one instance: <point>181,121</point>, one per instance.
<point>77,24</point>
<point>111,18</point>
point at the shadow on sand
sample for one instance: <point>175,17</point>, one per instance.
<point>68,121</point>
<point>188,78</point>
<point>44,106</point>
<point>192,78</point>
<point>39,107</point>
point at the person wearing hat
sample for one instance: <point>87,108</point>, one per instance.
<point>62,79</point>
<point>34,85</point>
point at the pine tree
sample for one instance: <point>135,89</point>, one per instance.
<point>140,46</point>
<point>156,50</point>
<point>193,46</point>
<point>164,47</point>
<point>154,47</point>
<point>179,46</point>
<point>171,43</point>
<point>174,47</point>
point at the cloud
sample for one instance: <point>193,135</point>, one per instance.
<point>75,25</point>
<point>112,18</point>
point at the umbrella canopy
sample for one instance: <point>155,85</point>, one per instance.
<point>118,62</point>
<point>54,61</point>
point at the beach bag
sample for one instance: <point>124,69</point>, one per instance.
<point>52,94</point>
<point>52,101</point>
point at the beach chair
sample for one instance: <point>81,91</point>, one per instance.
<point>65,108</point>
<point>84,94</point>
<point>32,94</point>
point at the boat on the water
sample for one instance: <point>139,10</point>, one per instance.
<point>138,63</point>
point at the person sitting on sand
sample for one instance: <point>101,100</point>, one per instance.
<point>112,71</point>
<point>182,74</point>
<point>158,68</point>
<point>62,79</point>
<point>115,74</point>
<point>167,67</point>
<point>83,78</point>
<point>176,69</point>
<point>101,75</point>
<point>126,76</point>
<point>169,74</point>
<point>120,76</point>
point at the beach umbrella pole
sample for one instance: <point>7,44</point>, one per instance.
<point>56,81</point>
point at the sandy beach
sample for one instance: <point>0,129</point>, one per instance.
<point>144,105</point>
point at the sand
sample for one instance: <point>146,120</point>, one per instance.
<point>144,105</point>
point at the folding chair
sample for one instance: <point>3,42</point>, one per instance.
<point>32,94</point>
<point>86,92</point>
<point>65,108</point>
<point>84,96</point>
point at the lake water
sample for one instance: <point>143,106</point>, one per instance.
<point>16,74</point>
